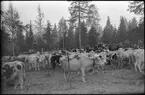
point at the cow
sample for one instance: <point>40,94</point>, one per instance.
<point>33,61</point>
<point>80,62</point>
<point>117,57</point>
<point>139,59</point>
<point>14,71</point>
<point>111,57</point>
<point>43,60</point>
<point>54,59</point>
<point>22,57</point>
<point>102,59</point>
<point>13,58</point>
<point>5,58</point>
<point>121,55</point>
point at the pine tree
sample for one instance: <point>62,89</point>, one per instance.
<point>107,32</point>
<point>122,30</point>
<point>62,28</point>
<point>20,39</point>
<point>137,7</point>
<point>77,37</point>
<point>11,20</point>
<point>70,41</point>
<point>93,16</point>
<point>84,34</point>
<point>5,39</point>
<point>47,36</point>
<point>55,36</point>
<point>92,36</point>
<point>132,25</point>
<point>79,11</point>
<point>39,27</point>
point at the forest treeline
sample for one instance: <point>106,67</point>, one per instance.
<point>19,38</point>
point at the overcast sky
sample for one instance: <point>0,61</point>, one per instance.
<point>54,10</point>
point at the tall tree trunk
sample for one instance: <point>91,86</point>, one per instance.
<point>79,28</point>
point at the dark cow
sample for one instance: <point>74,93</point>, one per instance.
<point>55,60</point>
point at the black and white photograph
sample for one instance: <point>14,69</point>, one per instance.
<point>72,47</point>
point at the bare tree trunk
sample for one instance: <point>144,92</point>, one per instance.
<point>79,28</point>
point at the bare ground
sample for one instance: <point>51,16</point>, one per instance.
<point>111,81</point>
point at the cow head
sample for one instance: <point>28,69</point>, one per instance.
<point>100,59</point>
<point>7,71</point>
<point>114,57</point>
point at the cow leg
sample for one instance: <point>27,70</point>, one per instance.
<point>29,66</point>
<point>38,66</point>
<point>21,82</point>
<point>142,67</point>
<point>64,75</point>
<point>83,74</point>
<point>35,66</point>
<point>16,84</point>
<point>54,65</point>
<point>44,64</point>
<point>120,63</point>
<point>129,60</point>
<point>135,66</point>
<point>24,75</point>
<point>102,69</point>
<point>98,67</point>
<point>139,66</point>
<point>78,73</point>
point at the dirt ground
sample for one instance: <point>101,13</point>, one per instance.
<point>111,81</point>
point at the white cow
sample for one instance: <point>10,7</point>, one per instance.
<point>83,62</point>
<point>33,61</point>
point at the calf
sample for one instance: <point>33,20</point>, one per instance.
<point>14,71</point>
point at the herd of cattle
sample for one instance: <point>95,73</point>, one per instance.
<point>80,61</point>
